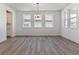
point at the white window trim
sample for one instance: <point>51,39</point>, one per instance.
<point>49,20</point>
<point>76,10</point>
<point>42,20</point>
<point>29,20</point>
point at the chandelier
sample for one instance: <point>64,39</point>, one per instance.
<point>37,10</point>
<point>37,7</point>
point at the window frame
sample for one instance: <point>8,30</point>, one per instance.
<point>71,23</point>
<point>41,20</point>
<point>25,21</point>
<point>66,18</point>
<point>47,20</point>
<point>38,20</point>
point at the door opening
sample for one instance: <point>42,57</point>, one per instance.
<point>9,23</point>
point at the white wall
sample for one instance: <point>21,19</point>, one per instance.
<point>38,31</point>
<point>3,21</point>
<point>72,34</point>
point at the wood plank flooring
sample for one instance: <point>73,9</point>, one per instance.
<point>38,46</point>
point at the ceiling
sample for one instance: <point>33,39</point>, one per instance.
<point>32,6</point>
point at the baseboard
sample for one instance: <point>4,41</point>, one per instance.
<point>34,35</point>
<point>3,41</point>
<point>69,39</point>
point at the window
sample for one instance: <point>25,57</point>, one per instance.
<point>37,24</point>
<point>37,21</point>
<point>73,18</point>
<point>70,17</point>
<point>48,24</point>
<point>27,24</point>
<point>26,20</point>
<point>49,20</point>
<point>66,19</point>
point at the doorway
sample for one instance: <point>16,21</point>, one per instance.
<point>9,23</point>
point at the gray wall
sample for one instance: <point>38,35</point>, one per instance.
<point>2,22</point>
<point>38,31</point>
<point>70,33</point>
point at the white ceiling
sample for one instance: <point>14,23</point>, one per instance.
<point>32,6</point>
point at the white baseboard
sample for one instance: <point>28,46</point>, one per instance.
<point>37,35</point>
<point>69,39</point>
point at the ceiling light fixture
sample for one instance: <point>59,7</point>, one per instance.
<point>37,7</point>
<point>37,11</point>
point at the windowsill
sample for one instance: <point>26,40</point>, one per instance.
<point>74,28</point>
<point>71,28</point>
<point>38,27</point>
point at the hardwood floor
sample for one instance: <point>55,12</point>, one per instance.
<point>38,46</point>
